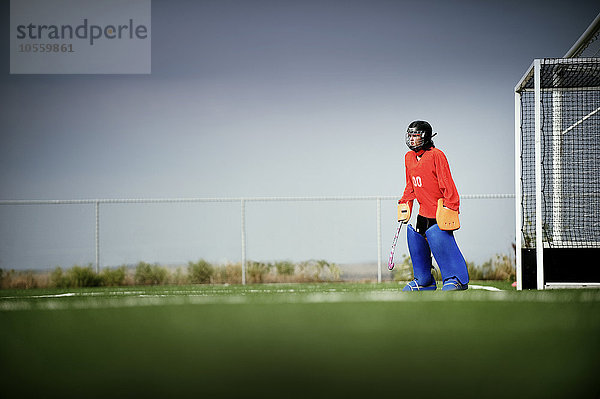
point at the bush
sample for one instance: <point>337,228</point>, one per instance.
<point>200,272</point>
<point>285,268</point>
<point>79,276</point>
<point>257,271</point>
<point>403,270</point>
<point>113,277</point>
<point>179,277</point>
<point>147,274</point>
<point>228,274</point>
<point>58,279</point>
<point>319,270</point>
<point>500,267</point>
<point>18,279</point>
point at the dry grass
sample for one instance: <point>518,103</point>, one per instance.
<point>500,267</point>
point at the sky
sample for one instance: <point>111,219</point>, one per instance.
<point>272,98</point>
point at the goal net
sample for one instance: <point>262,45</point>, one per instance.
<point>557,132</point>
<point>557,167</point>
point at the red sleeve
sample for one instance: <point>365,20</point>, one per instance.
<point>446,183</point>
<point>409,191</point>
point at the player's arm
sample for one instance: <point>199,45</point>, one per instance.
<point>448,206</point>
<point>406,202</point>
<point>446,183</point>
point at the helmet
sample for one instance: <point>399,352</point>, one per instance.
<point>419,136</point>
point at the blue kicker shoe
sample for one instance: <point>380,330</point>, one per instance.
<point>453,284</point>
<point>414,286</point>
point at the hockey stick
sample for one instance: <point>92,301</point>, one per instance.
<point>391,261</point>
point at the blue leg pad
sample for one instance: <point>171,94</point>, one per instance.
<point>448,256</point>
<point>420,254</point>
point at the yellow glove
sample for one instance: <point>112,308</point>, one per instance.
<point>403,212</point>
<point>447,219</point>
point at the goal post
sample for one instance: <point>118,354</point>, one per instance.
<point>557,167</point>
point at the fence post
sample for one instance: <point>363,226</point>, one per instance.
<point>378,240</point>
<point>243,224</point>
<point>97,236</point>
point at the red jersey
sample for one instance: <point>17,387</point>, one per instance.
<point>428,179</point>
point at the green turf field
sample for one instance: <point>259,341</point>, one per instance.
<point>300,341</point>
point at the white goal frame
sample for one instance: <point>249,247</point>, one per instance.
<point>585,49</point>
<point>534,72</point>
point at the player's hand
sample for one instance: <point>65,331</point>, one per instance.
<point>403,212</point>
<point>447,219</point>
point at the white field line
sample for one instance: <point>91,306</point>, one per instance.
<point>206,292</point>
<point>483,287</point>
<point>282,296</point>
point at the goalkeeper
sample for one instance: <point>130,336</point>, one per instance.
<point>428,180</point>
